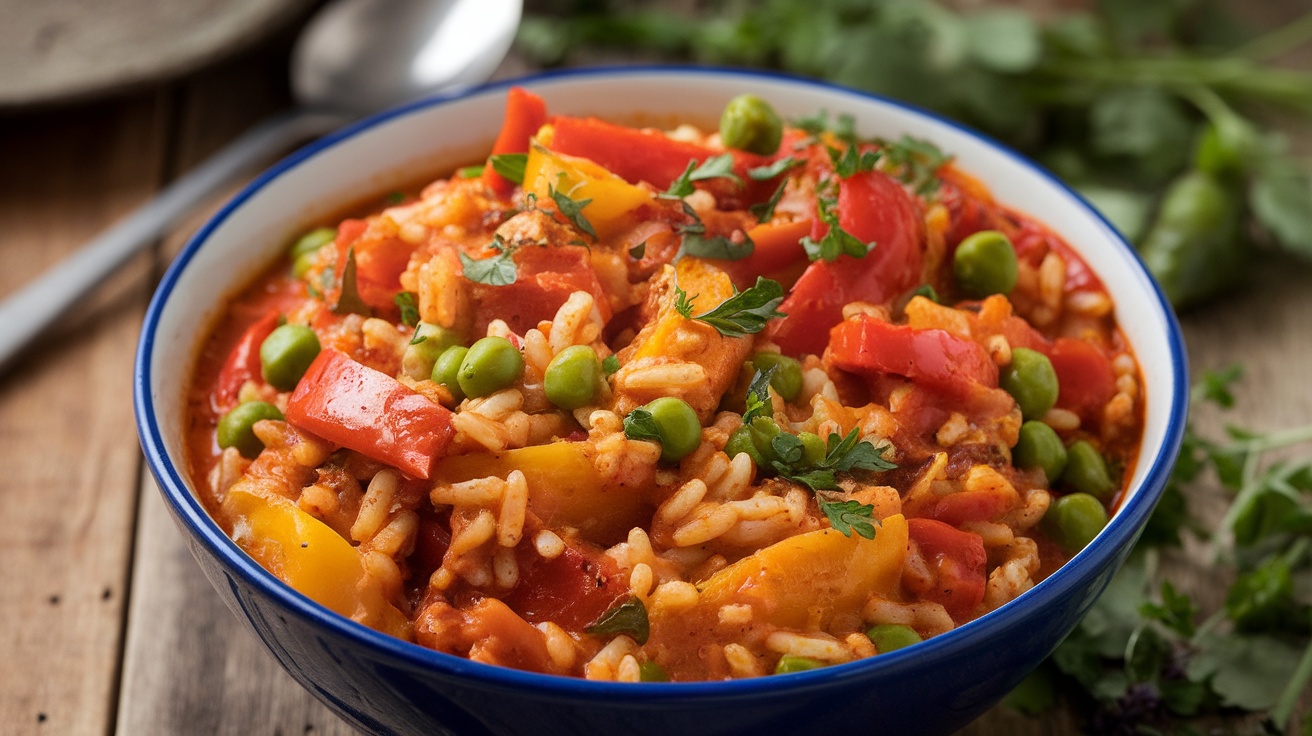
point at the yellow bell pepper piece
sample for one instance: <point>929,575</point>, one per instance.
<point>579,179</point>
<point>308,555</point>
<point>802,582</point>
<point>564,487</point>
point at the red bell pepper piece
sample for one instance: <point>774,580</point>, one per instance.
<point>936,359</point>
<point>357,407</point>
<point>1084,375</point>
<point>572,589</point>
<point>778,254</point>
<point>957,560</point>
<point>525,113</point>
<point>243,363</point>
<point>630,153</point>
<point>875,209</point>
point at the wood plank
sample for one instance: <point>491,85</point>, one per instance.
<point>70,453</point>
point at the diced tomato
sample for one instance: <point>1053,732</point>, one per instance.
<point>777,255</point>
<point>936,359</point>
<point>957,560</point>
<point>983,505</point>
<point>525,113</point>
<point>545,277</point>
<point>355,406</point>
<point>243,363</point>
<point>875,209</point>
<point>572,589</point>
<point>1084,375</point>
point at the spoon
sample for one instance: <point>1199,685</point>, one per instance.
<point>354,57</point>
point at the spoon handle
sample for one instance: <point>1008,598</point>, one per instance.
<point>33,308</point>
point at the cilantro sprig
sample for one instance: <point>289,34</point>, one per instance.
<point>498,270</point>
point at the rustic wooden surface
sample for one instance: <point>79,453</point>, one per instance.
<point>107,626</point>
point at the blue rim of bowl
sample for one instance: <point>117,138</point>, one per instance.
<point>1127,522</point>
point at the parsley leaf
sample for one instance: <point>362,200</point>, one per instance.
<point>695,242</point>
<point>764,211</point>
<point>746,312</point>
<point>842,455</point>
<point>407,302</point>
<point>638,251</point>
<point>683,302</point>
<point>641,425</point>
<point>715,167</point>
<point>850,516</point>
<point>916,162</point>
<point>509,165</point>
<point>836,240</point>
<point>773,169</point>
<point>349,300</point>
<point>499,270</point>
<point>852,161</point>
<point>572,210</point>
<point>470,172</point>
<point>628,618</point>
<point>758,395</point>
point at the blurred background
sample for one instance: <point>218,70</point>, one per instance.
<point>1184,121</point>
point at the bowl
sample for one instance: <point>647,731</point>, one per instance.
<point>385,685</point>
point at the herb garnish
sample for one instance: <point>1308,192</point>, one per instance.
<point>758,395</point>
<point>842,455</point>
<point>746,312</point>
<point>509,165</point>
<point>836,240</point>
<point>694,241</point>
<point>715,167</point>
<point>349,300</point>
<point>764,211</point>
<point>639,424</point>
<point>628,618</point>
<point>499,270</point>
<point>407,302</point>
<point>852,160</point>
<point>683,302</point>
<point>916,163</point>
<point>572,209</point>
<point>771,170</point>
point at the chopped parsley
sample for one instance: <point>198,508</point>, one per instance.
<point>349,300</point>
<point>408,303</point>
<point>639,424</point>
<point>509,165</point>
<point>746,312</point>
<point>572,209</point>
<point>499,270</point>
<point>715,167</point>
<point>836,240</point>
<point>628,618</point>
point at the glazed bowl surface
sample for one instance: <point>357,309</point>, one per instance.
<point>385,685</point>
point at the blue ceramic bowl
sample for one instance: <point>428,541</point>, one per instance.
<point>384,685</point>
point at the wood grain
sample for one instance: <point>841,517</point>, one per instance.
<point>70,454</point>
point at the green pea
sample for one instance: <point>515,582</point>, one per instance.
<point>491,364</point>
<point>312,241</point>
<point>985,264</point>
<point>572,377</point>
<point>236,428</point>
<point>446,370</point>
<point>678,426</point>
<point>888,637</point>
<point>927,291</point>
<point>1031,380</point>
<point>1086,471</point>
<point>1074,520</point>
<point>741,441</point>
<point>793,663</point>
<point>650,671</point>
<point>426,346</point>
<point>305,251</point>
<point>286,353</point>
<point>787,377</point>
<point>748,123</point>
<point>813,448</point>
<point>1040,447</point>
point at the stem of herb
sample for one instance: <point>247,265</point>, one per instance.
<point>1284,39</point>
<point>1289,697</point>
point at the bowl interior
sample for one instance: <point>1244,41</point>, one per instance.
<point>435,136</point>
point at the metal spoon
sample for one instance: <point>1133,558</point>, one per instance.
<point>353,58</point>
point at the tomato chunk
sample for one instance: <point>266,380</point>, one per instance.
<point>370,412</point>
<point>545,278</point>
<point>572,589</point>
<point>875,209</point>
<point>957,562</point>
<point>1084,375</point>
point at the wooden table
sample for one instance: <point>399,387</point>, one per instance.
<point>107,625</point>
